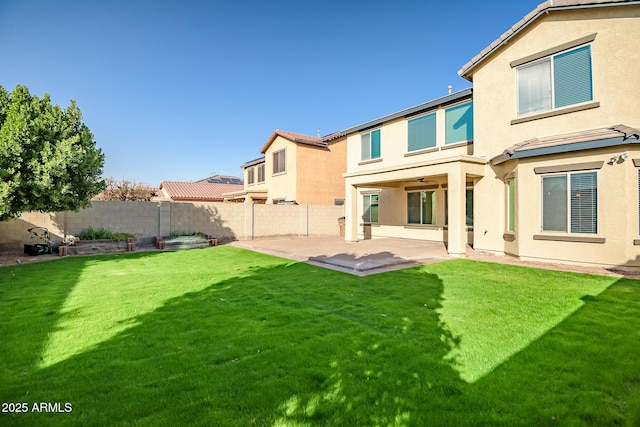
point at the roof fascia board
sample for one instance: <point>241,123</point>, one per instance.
<point>252,163</point>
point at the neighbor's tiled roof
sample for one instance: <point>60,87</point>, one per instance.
<point>583,140</point>
<point>530,17</point>
<point>294,137</point>
<point>202,191</point>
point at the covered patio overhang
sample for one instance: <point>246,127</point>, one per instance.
<point>451,175</point>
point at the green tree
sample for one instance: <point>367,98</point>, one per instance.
<point>49,161</point>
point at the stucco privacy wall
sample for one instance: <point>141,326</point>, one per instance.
<point>225,221</point>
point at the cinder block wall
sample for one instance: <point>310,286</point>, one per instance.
<point>323,220</point>
<point>225,221</point>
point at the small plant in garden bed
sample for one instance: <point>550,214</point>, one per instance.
<point>188,233</point>
<point>102,234</point>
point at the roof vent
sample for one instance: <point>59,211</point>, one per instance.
<point>449,89</point>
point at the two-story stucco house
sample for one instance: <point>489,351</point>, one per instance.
<point>295,168</point>
<point>540,160</point>
<point>411,174</point>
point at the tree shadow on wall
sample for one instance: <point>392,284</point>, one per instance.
<point>189,217</point>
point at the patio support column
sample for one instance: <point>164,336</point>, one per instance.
<point>457,245</point>
<point>351,214</point>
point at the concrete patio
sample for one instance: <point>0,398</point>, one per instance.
<point>360,258</point>
<point>380,255</point>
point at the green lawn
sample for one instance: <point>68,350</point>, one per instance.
<point>223,336</point>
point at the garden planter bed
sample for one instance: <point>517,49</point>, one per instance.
<point>187,242</point>
<point>88,247</point>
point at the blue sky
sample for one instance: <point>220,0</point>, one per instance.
<point>178,90</point>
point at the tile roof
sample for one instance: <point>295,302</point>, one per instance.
<point>546,6</point>
<point>574,141</point>
<point>294,137</point>
<point>200,191</point>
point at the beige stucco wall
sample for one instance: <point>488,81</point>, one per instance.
<point>617,212</point>
<point>615,64</point>
<point>394,140</point>
<point>319,173</point>
<point>615,61</point>
<point>257,188</point>
<point>281,185</point>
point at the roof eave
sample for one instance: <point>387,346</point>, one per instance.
<point>567,148</point>
<point>447,99</point>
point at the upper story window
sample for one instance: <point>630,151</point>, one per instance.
<point>422,132</point>
<point>279,161</point>
<point>250,175</point>
<point>370,145</point>
<point>260,173</point>
<point>459,123</point>
<point>555,81</point>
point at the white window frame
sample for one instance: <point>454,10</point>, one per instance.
<point>369,132</point>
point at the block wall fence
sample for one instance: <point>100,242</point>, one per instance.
<point>145,220</point>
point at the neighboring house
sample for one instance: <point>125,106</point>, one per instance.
<point>195,191</point>
<point>540,160</point>
<point>295,168</point>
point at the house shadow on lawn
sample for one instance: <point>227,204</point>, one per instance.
<point>243,350</point>
<point>289,344</point>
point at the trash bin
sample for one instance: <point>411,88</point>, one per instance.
<point>341,224</point>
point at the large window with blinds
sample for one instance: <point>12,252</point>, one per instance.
<point>556,81</point>
<point>422,132</point>
<point>458,123</point>
<point>570,203</point>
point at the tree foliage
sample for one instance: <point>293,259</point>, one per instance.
<point>49,161</point>
<point>126,190</point>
